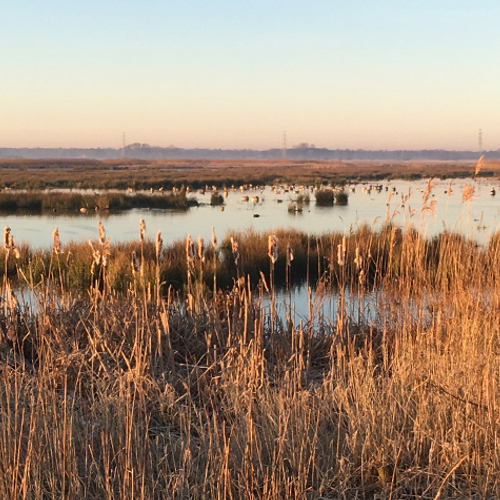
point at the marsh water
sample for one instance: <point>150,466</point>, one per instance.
<point>400,201</point>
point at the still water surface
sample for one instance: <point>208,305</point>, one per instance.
<point>478,218</point>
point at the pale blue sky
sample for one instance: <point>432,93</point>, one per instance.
<point>236,74</point>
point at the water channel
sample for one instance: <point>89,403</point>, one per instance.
<point>477,218</point>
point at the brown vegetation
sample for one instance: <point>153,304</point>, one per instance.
<point>35,201</point>
<point>141,174</point>
<point>146,395</point>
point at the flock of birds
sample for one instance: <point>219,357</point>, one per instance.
<point>276,189</point>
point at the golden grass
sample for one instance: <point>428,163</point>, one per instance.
<point>198,395</point>
<point>142,174</point>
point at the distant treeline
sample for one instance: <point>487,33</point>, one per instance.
<point>144,151</point>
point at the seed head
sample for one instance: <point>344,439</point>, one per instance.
<point>96,254</point>
<point>201,249</point>
<point>6,234</point>
<point>8,244</point>
<point>102,233</point>
<point>272,247</point>
<point>105,253</point>
<point>56,248</point>
<point>427,192</point>
<point>158,247</point>
<point>190,251</point>
<point>341,251</point>
<point>358,259</point>
<point>234,249</point>
<point>467,193</point>
<point>136,267</point>
<point>479,164</point>
<point>142,229</point>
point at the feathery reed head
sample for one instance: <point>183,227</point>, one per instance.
<point>142,229</point>
<point>427,191</point>
<point>105,253</point>
<point>134,264</point>
<point>234,249</point>
<point>272,248</point>
<point>341,251</point>
<point>158,247</point>
<point>190,251</point>
<point>56,247</point>
<point>102,233</point>
<point>96,254</point>
<point>201,249</point>
<point>6,235</point>
<point>358,259</point>
<point>8,242</point>
<point>479,164</point>
<point>467,193</point>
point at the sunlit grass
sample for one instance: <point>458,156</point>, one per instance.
<point>162,370</point>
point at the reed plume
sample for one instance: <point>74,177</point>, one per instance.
<point>234,250</point>
<point>56,247</point>
<point>134,263</point>
<point>6,235</point>
<point>479,165</point>
<point>201,249</point>
<point>102,233</point>
<point>467,193</point>
<point>272,247</point>
<point>158,247</point>
<point>142,229</point>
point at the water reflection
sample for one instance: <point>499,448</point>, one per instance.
<point>320,306</point>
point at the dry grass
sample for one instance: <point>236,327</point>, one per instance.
<point>125,395</point>
<point>141,174</point>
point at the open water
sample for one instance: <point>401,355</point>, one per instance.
<point>477,218</point>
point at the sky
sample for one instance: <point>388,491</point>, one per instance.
<point>346,74</point>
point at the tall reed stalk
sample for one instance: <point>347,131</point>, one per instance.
<point>399,401</point>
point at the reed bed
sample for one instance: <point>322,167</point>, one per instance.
<point>146,174</point>
<point>201,390</point>
<point>40,201</point>
<point>379,255</point>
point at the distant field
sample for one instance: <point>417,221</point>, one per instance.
<point>142,174</point>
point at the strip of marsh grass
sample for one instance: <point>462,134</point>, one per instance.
<point>371,257</point>
<point>38,201</point>
<point>141,174</point>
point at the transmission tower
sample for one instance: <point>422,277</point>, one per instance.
<point>284,144</point>
<point>123,150</point>
<point>480,140</point>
